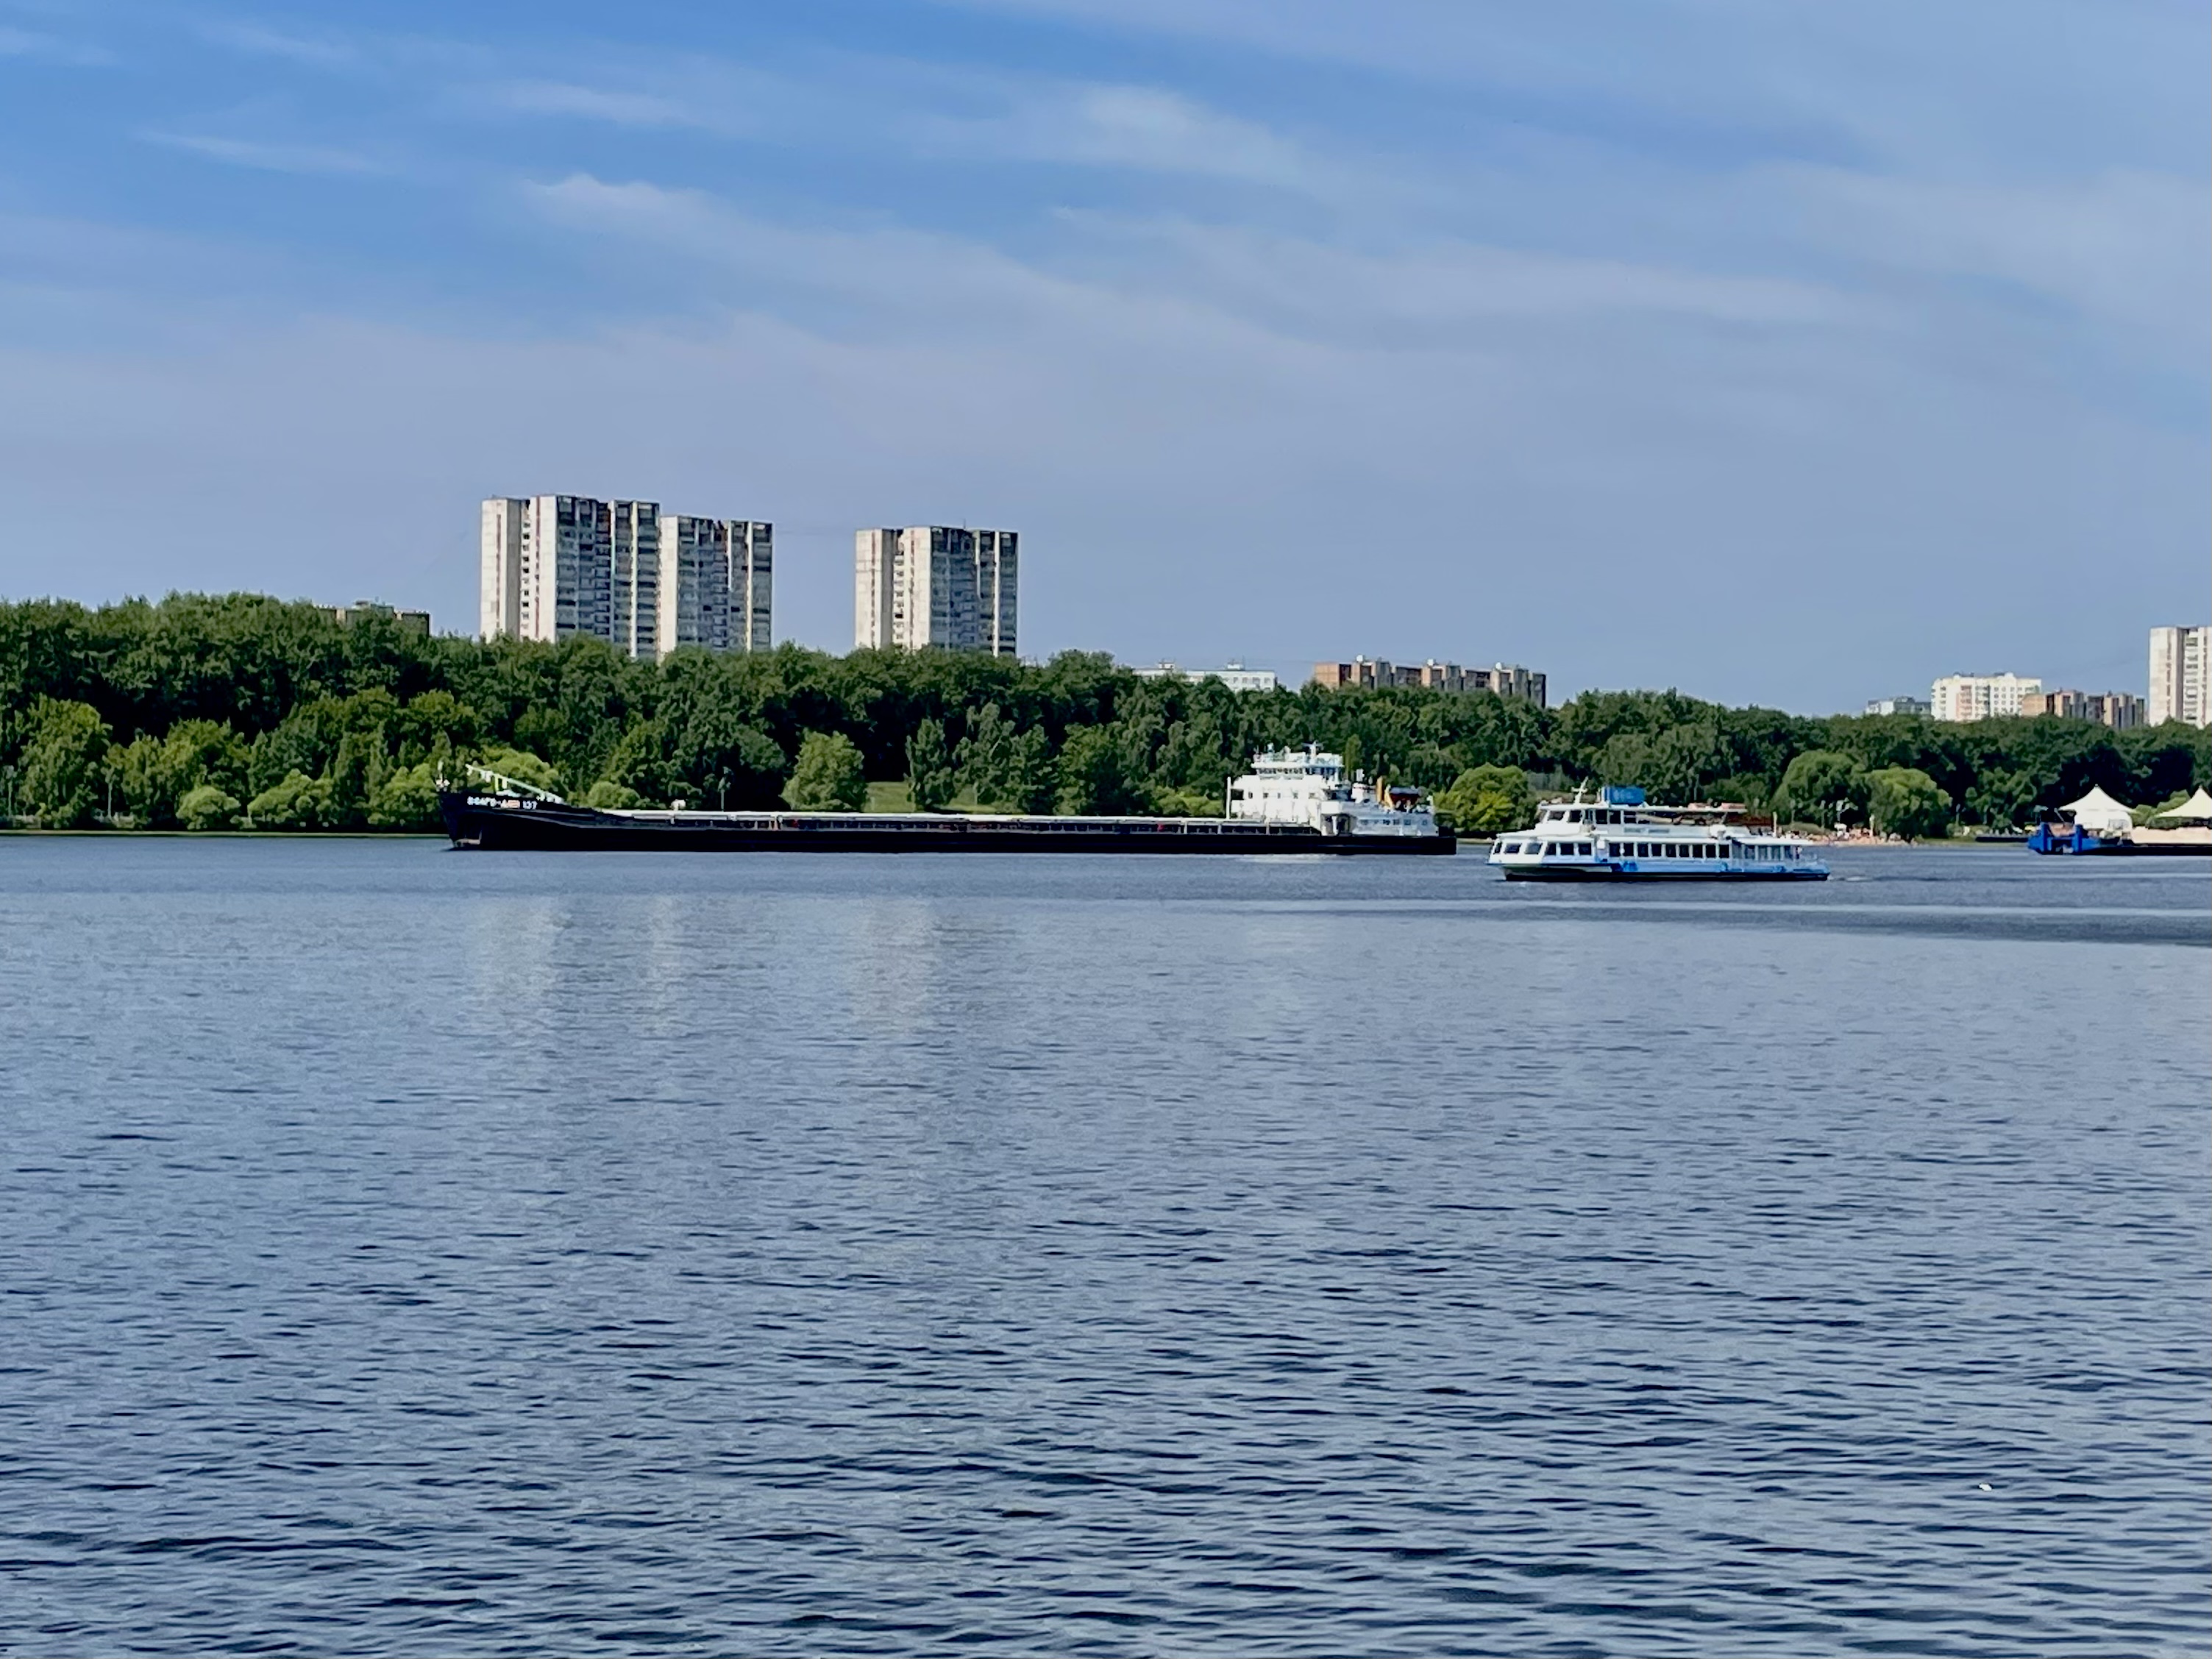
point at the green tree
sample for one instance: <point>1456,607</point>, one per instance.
<point>62,756</point>
<point>930,779</point>
<point>2001,799</point>
<point>206,806</point>
<point>147,782</point>
<point>639,762</point>
<point>1822,786</point>
<point>985,757</point>
<point>1097,775</point>
<point>347,800</point>
<point>405,798</point>
<point>1489,801</point>
<point>299,802</point>
<point>1744,789</point>
<point>609,796</point>
<point>1032,777</point>
<point>829,777</point>
<point>1170,803</point>
<point>718,759</point>
<point>1902,800</point>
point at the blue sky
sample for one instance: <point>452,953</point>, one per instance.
<point>1787,353</point>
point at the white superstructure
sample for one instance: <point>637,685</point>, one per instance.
<point>1610,834</point>
<point>1305,786</point>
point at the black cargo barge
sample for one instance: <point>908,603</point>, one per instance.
<point>506,823</point>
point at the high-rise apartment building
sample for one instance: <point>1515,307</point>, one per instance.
<point>499,580</point>
<point>717,584</point>
<point>624,573</point>
<point>1962,697</point>
<point>933,586</point>
<point>633,545</point>
<point>2180,676</point>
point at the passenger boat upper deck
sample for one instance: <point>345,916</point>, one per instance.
<point>1612,834</point>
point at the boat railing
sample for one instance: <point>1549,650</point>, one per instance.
<point>512,786</point>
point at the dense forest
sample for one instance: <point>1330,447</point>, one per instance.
<point>217,712</point>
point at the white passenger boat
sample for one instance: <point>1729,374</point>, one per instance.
<point>1611,835</point>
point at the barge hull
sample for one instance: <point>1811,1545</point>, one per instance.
<point>1586,872</point>
<point>505,823</point>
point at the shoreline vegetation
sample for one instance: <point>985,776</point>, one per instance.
<point>241,713</point>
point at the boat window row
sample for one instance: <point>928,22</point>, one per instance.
<point>1672,849</point>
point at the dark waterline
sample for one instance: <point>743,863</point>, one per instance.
<point>409,1252</point>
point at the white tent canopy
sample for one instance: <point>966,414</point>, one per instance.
<point>2099,814</point>
<point>2197,809</point>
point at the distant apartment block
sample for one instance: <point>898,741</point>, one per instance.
<point>718,584</point>
<point>644,582</point>
<point>414,622</point>
<point>1960,698</point>
<point>2121,710</point>
<point>1503,678</point>
<point>1898,706</point>
<point>1237,677</point>
<point>932,587</point>
<point>2180,676</point>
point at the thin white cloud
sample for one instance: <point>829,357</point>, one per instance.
<point>318,51</point>
<point>1143,128</point>
<point>51,49</point>
<point>900,272</point>
<point>1281,284</point>
<point>267,157</point>
<point>2125,247</point>
<point>622,108</point>
<point>949,115</point>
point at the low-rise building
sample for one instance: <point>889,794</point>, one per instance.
<point>1237,677</point>
<point>1961,698</point>
<point>2121,710</point>
<point>415,622</point>
<point>1898,706</point>
<point>1504,678</point>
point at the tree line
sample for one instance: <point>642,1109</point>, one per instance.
<point>221,711</point>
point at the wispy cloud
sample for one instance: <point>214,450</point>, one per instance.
<point>951,115</point>
<point>1140,127</point>
<point>622,108</point>
<point>51,49</point>
<point>318,52</point>
<point>267,157</point>
<point>1285,284</point>
<point>2125,247</point>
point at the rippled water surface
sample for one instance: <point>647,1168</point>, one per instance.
<point>412,1252</point>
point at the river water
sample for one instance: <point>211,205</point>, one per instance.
<point>414,1252</point>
